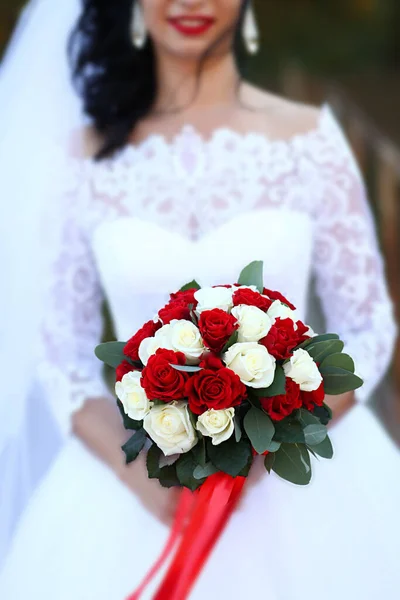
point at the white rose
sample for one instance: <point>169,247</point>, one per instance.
<point>217,424</point>
<point>303,370</point>
<point>279,310</point>
<point>133,397</point>
<point>185,337</point>
<point>209,298</point>
<point>150,345</point>
<point>252,363</point>
<point>170,427</point>
<point>254,324</point>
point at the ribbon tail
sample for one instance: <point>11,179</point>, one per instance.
<point>183,511</point>
<point>215,502</point>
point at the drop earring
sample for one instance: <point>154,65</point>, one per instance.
<point>138,27</point>
<point>250,32</point>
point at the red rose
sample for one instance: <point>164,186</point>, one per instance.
<point>211,361</point>
<point>310,399</point>
<point>131,348</point>
<point>247,296</point>
<point>283,337</point>
<point>122,370</point>
<point>279,407</point>
<point>278,296</point>
<point>178,306</point>
<point>209,389</point>
<point>161,381</point>
<point>216,327</point>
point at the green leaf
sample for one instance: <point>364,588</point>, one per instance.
<point>238,429</point>
<point>187,368</point>
<point>320,350</point>
<point>269,461</point>
<point>232,340</point>
<point>168,477</point>
<point>185,467</point>
<point>153,462</point>
<point>203,472</point>
<point>289,431</point>
<point>230,456</point>
<point>315,434</point>
<point>253,275</point>
<point>134,445</point>
<point>128,422</point>
<point>192,285</point>
<point>277,387</point>
<point>274,446</point>
<point>259,429</point>
<point>199,452</point>
<point>323,413</point>
<point>341,360</point>
<point>324,449</point>
<point>305,417</point>
<point>339,381</point>
<point>292,462</point>
<point>111,353</point>
<point>318,338</point>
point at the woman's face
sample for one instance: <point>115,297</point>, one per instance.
<point>187,28</point>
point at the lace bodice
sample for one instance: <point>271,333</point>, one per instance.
<point>139,224</point>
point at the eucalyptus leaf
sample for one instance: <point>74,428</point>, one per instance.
<point>187,368</point>
<point>192,285</point>
<point>339,381</point>
<point>253,275</point>
<point>323,413</point>
<point>185,467</point>
<point>232,340</point>
<point>203,472</point>
<point>320,350</point>
<point>153,461</point>
<point>168,477</point>
<point>318,338</point>
<point>111,353</point>
<point>199,452</point>
<point>259,429</point>
<point>128,422</point>
<point>292,462</point>
<point>289,431</point>
<point>341,360</point>
<point>277,387</point>
<point>305,417</point>
<point>238,429</point>
<point>274,446</point>
<point>230,456</point>
<point>269,461</point>
<point>134,445</point>
<point>315,434</point>
<point>324,449</point>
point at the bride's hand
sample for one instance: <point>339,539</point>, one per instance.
<point>161,502</point>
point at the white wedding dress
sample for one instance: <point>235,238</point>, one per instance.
<point>140,225</point>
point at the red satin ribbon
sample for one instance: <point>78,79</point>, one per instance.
<point>201,518</point>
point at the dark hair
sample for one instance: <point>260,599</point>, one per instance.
<point>115,80</point>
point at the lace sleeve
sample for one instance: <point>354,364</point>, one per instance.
<point>348,264</point>
<point>73,323</point>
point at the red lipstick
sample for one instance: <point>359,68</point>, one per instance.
<point>192,26</point>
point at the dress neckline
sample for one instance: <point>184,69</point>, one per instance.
<point>219,135</point>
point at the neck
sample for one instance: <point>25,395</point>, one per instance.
<point>183,83</point>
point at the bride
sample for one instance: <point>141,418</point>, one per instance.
<point>183,170</point>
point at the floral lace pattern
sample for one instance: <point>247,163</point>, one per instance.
<point>191,186</point>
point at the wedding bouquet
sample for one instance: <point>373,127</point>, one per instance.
<point>223,374</point>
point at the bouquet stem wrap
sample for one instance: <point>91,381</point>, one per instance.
<point>201,518</point>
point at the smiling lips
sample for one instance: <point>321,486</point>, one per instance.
<point>193,25</point>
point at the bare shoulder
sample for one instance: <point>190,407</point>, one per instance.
<point>84,142</point>
<point>279,116</point>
